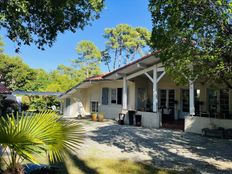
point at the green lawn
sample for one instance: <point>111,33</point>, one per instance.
<point>108,166</point>
<point>75,165</point>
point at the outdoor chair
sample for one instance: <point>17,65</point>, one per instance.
<point>218,132</point>
<point>121,117</point>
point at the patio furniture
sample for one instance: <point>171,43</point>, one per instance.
<point>167,115</point>
<point>138,120</point>
<point>121,117</point>
<point>131,114</point>
<point>217,133</point>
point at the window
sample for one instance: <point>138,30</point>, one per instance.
<point>116,96</point>
<point>224,101</point>
<point>185,100</point>
<point>163,98</point>
<point>113,96</point>
<point>167,100</point>
<point>94,106</point>
<point>105,96</point>
<point>212,100</point>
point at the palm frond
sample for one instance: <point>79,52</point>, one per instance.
<point>27,135</point>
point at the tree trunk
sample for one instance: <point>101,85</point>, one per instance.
<point>108,66</point>
<point>120,58</point>
<point>115,58</point>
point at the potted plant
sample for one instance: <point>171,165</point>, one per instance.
<point>100,116</point>
<point>94,116</point>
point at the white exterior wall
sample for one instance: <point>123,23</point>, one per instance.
<point>195,124</point>
<point>150,119</point>
<point>111,111</point>
<point>77,104</point>
<point>83,97</point>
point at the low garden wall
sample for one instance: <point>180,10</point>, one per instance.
<point>111,111</point>
<point>150,119</point>
<point>195,124</point>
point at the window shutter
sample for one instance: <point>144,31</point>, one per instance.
<point>105,94</point>
<point>68,102</point>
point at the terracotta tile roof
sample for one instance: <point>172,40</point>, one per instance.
<point>102,76</point>
<point>96,77</point>
<point>4,90</point>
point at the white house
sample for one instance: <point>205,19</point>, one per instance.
<point>144,86</point>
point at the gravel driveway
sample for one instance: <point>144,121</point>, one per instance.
<point>161,147</point>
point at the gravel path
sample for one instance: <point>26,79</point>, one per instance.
<point>162,147</point>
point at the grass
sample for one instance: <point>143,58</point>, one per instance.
<point>75,165</point>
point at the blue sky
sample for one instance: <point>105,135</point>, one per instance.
<point>132,12</point>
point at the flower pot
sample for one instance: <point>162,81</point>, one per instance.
<point>94,116</point>
<point>100,117</point>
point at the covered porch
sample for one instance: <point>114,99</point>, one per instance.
<point>147,71</point>
<point>162,103</point>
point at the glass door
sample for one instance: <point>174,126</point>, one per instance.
<point>185,102</point>
<point>141,99</point>
<point>167,102</point>
<point>224,101</point>
<point>212,101</point>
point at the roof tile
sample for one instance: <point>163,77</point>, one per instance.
<point>4,90</point>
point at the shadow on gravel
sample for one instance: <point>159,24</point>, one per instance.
<point>166,147</point>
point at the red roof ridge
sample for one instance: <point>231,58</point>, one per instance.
<point>4,90</point>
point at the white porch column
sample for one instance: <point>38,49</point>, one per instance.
<point>191,98</point>
<point>155,89</point>
<point>124,102</point>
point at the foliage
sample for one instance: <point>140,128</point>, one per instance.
<point>27,136</point>
<point>42,103</point>
<point>195,38</point>
<point>40,82</point>
<point>15,73</point>
<point>1,45</point>
<point>123,43</point>
<point>39,22</point>
<point>88,57</point>
<point>19,76</point>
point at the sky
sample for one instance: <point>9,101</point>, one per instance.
<point>132,12</point>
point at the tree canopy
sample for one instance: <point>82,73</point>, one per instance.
<point>123,43</point>
<point>39,22</point>
<point>195,38</point>
<point>15,73</point>
<point>88,59</point>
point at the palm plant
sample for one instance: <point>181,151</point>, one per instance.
<point>23,137</point>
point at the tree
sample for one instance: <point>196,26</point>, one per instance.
<point>39,22</point>
<point>14,73</point>
<point>88,58</point>
<point>1,45</point>
<point>195,39</point>
<point>40,82</point>
<point>123,43</point>
<point>24,137</point>
<point>63,78</point>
